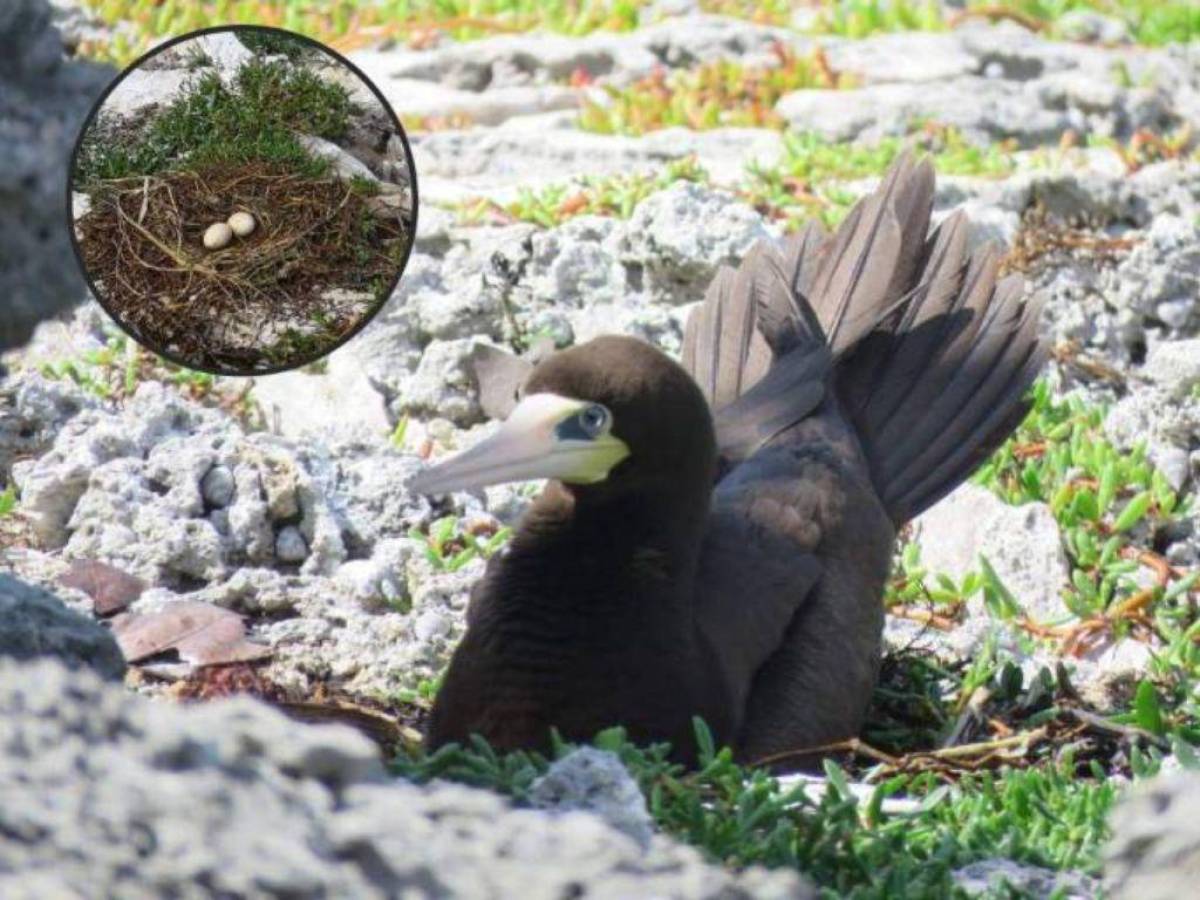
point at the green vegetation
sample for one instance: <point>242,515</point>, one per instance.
<point>114,371</point>
<point>716,94</point>
<point>1151,22</point>
<point>1106,502</point>
<point>862,18</point>
<point>741,816</point>
<point>418,23</point>
<point>763,12</point>
<point>449,546</point>
<point>345,25</point>
<point>426,690</point>
<point>805,183</point>
<point>8,500</point>
<point>270,43</point>
<point>210,124</point>
<point>612,195</point>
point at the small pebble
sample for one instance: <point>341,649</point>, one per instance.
<point>242,223</point>
<point>440,430</point>
<point>1173,463</point>
<point>430,625</point>
<point>217,486</point>
<point>217,235</point>
<point>290,546</point>
<point>1176,313</point>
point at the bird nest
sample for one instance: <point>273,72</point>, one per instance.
<point>323,256</point>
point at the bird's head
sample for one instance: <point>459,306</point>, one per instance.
<point>613,414</point>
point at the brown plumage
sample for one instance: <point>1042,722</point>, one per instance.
<point>723,550</point>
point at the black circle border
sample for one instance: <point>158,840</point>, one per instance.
<point>366,318</point>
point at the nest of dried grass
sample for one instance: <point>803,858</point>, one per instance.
<point>317,264</point>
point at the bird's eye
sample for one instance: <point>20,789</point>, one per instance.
<point>586,425</point>
<point>594,420</point>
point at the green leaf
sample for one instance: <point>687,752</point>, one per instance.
<point>873,813</point>
<point>1133,512</point>
<point>837,779</point>
<point>704,741</point>
<point>496,541</point>
<point>460,559</point>
<point>998,599</point>
<point>1147,712</point>
<point>399,432</point>
<point>1085,505</point>
<point>611,739</point>
<point>1182,586</point>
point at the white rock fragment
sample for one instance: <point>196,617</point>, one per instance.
<point>340,397</point>
<point>140,89</point>
<point>217,486</point>
<point>1155,850</point>
<point>1022,544</point>
<point>432,624</point>
<point>1161,275</point>
<point>595,781</point>
<point>345,164</point>
<point>224,52</point>
<point>442,384</point>
<point>987,876</point>
<point>290,546</point>
<point>1175,365</point>
<point>683,233</point>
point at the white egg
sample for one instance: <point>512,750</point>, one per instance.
<point>242,223</point>
<point>217,235</point>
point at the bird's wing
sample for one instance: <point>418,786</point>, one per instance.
<point>758,563</point>
<point>758,355</point>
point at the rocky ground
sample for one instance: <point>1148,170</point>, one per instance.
<point>286,504</point>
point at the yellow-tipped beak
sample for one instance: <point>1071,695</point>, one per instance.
<point>528,445</point>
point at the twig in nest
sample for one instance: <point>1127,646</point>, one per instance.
<point>850,745</point>
<point>924,616</point>
<point>1129,732</point>
<point>264,300</point>
<point>1070,353</point>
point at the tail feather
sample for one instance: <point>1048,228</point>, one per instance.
<point>722,347</point>
<point>928,354</point>
<point>961,429</point>
<point>955,376</point>
<point>1004,416</point>
<point>873,257</point>
<point>761,384</point>
<point>904,350</point>
<point>802,255</point>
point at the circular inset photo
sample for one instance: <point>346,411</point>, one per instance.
<point>243,200</point>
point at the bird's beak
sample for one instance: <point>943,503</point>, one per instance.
<point>528,446</point>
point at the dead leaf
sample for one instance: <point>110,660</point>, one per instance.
<point>201,633</point>
<point>110,588</point>
<point>213,682</point>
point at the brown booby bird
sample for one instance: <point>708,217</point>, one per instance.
<point>715,536</point>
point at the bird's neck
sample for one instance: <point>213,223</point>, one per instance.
<point>636,548</point>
